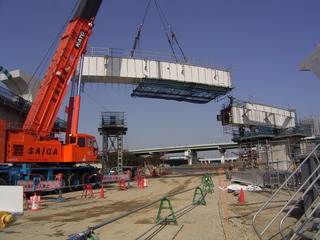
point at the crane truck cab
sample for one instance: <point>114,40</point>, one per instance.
<point>85,148</point>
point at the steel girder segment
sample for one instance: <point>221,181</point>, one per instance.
<point>179,91</point>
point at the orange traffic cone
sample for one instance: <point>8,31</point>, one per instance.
<point>241,197</point>
<point>102,192</point>
<point>145,182</point>
<point>141,181</point>
<point>35,202</point>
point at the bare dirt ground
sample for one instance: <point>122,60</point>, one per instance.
<point>62,220</point>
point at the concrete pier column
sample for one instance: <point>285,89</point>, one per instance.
<point>223,157</point>
<point>191,156</point>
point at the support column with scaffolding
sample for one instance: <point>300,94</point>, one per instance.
<point>112,128</point>
<point>267,137</point>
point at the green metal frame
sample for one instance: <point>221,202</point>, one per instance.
<point>171,217</point>
<point>202,199</point>
<point>207,183</point>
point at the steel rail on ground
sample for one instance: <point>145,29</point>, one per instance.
<point>164,219</point>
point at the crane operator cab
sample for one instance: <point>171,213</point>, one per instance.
<point>82,148</point>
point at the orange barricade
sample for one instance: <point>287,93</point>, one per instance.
<point>122,185</point>
<point>87,190</point>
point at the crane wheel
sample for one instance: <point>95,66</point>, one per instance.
<point>74,182</point>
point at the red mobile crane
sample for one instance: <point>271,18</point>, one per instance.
<point>33,148</point>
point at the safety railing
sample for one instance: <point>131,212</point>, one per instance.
<point>310,184</point>
<point>8,97</point>
<point>269,131</point>
<point>151,55</point>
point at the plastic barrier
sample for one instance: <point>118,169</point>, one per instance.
<point>35,202</point>
<point>122,185</point>
<point>35,185</point>
<point>87,191</point>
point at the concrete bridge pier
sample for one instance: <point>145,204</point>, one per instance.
<point>191,156</point>
<point>222,153</point>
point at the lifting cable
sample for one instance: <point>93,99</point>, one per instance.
<point>173,35</point>
<point>166,26</point>
<point>161,15</point>
<point>137,38</point>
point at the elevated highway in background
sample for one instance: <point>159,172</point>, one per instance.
<point>189,151</point>
<point>14,109</point>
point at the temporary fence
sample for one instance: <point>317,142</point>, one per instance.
<point>223,202</point>
<point>38,185</point>
<point>59,186</point>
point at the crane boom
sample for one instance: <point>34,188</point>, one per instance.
<point>73,43</point>
<point>34,142</point>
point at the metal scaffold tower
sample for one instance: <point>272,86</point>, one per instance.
<point>269,139</point>
<point>112,129</point>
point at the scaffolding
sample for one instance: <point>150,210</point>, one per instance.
<point>112,128</point>
<point>268,138</point>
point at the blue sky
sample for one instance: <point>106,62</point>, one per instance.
<point>264,41</point>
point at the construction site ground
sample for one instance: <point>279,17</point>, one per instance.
<point>64,219</point>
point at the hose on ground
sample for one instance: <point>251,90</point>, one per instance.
<point>166,217</point>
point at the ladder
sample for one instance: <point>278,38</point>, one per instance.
<point>273,173</point>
